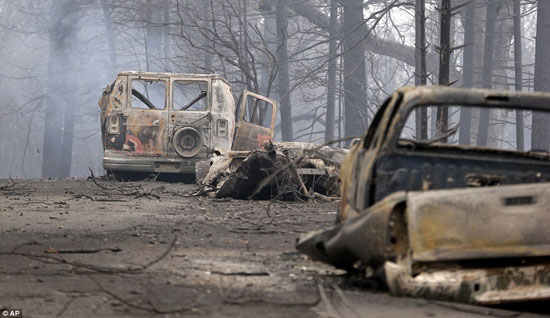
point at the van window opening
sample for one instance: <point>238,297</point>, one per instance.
<point>190,95</point>
<point>148,94</point>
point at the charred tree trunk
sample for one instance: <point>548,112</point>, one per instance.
<point>468,70</point>
<point>268,69</point>
<point>154,37</point>
<point>444,63</point>
<point>420,65</point>
<point>355,77</point>
<point>166,29</point>
<point>540,136</point>
<point>282,67</point>
<point>206,10</point>
<point>110,38</point>
<point>60,102</point>
<point>493,7</point>
<point>331,76</point>
<point>518,73</point>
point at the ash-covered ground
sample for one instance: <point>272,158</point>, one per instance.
<point>79,248</point>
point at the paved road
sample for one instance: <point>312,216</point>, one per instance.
<point>73,248</point>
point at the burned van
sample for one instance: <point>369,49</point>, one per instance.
<point>166,123</point>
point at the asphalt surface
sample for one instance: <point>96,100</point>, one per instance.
<point>75,248</point>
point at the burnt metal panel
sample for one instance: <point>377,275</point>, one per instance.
<point>478,223</point>
<point>146,131</point>
<point>115,141</point>
<point>502,284</point>
<point>249,136</point>
<point>416,171</point>
<point>370,238</point>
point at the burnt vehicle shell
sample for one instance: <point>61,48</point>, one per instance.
<point>170,138</point>
<point>409,213</point>
<point>381,167</point>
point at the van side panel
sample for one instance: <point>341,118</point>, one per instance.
<point>113,105</point>
<point>223,115</point>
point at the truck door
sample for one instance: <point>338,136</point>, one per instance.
<point>256,121</point>
<point>147,117</point>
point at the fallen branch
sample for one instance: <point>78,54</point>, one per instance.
<point>100,269</point>
<point>323,198</point>
<point>82,195</point>
<point>331,311</point>
<point>8,185</point>
<point>244,298</point>
<point>137,191</point>
<point>84,251</point>
<point>241,273</point>
<point>297,175</point>
<point>66,306</point>
<point>346,301</point>
<point>153,308</point>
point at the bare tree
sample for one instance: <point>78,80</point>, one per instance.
<point>331,74</point>
<point>493,7</point>
<point>421,74</point>
<point>60,103</point>
<point>444,62</point>
<point>282,74</point>
<point>540,135</point>
<point>518,69</point>
<point>468,69</point>
<point>355,78</point>
<point>106,8</point>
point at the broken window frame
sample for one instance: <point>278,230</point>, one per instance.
<point>243,111</point>
<point>256,115</point>
<point>207,96</point>
<point>146,79</point>
<point>249,136</point>
<point>370,136</point>
<point>407,112</point>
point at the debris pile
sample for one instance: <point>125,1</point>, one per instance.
<point>285,171</point>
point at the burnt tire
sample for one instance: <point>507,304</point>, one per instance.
<point>187,142</point>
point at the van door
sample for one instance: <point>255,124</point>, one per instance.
<point>190,119</point>
<point>256,121</point>
<point>147,117</point>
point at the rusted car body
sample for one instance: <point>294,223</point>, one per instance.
<point>166,123</point>
<point>437,219</point>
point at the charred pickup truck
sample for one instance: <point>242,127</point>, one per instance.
<point>438,219</point>
<point>166,123</point>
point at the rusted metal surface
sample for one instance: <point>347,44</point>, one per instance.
<point>345,246</point>
<point>381,165</point>
<point>479,223</point>
<point>250,136</point>
<point>170,137</point>
<point>145,134</point>
<point>478,286</point>
<point>453,222</point>
<point>431,244</point>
